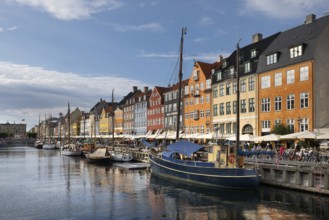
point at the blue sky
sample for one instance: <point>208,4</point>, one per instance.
<point>53,52</point>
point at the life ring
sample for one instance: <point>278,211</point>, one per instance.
<point>231,158</point>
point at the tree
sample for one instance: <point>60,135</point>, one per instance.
<point>280,129</point>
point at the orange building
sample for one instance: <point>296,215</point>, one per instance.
<point>197,100</point>
<point>293,78</point>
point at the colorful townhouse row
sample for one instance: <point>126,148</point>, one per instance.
<point>283,79</point>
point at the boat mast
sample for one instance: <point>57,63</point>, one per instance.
<point>237,98</point>
<point>112,118</point>
<point>69,122</point>
<point>180,76</point>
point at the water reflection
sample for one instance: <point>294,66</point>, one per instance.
<point>43,184</point>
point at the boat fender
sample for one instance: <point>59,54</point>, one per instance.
<point>231,158</point>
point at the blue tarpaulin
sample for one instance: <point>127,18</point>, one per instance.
<point>184,147</point>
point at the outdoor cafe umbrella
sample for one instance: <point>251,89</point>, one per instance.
<point>301,135</point>
<point>270,137</point>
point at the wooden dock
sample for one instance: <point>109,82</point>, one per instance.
<point>132,166</point>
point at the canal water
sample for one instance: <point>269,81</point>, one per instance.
<point>43,184</point>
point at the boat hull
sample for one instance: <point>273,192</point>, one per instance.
<point>71,153</point>
<point>237,178</point>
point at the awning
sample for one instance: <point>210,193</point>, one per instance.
<point>184,147</point>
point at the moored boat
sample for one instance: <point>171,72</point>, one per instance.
<point>71,150</point>
<point>216,167</point>
<point>100,155</point>
<point>121,156</point>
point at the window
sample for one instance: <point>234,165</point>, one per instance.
<point>207,113</point>
<point>221,128</point>
<point>228,108</point>
<point>191,88</point>
<point>228,128</point>
<point>278,79</point>
<point>247,67</point>
<point>296,51</point>
<point>278,103</point>
<point>266,126</point>
<point>291,101</point>
<point>196,75</point>
<point>303,126</point>
<point>304,100</point>
<point>277,122</point>
<point>234,107</point>
<point>186,102</point>
<point>202,85</point>
<point>219,75</point>
<point>235,87</point>
<point>215,109</point>
<point>266,82</point>
<point>266,105</point>
<point>243,106</point>
<point>303,73</point>
<point>196,101</point>
<point>291,124</point>
<point>202,114</point>
<point>186,91</point>
<point>272,58</point>
<point>201,99</point>
<point>253,53</point>
<point>228,88</point>
<point>186,115</point>
<point>251,82</point>
<point>251,105</point>
<point>231,71</point>
<point>215,92</point>
<point>208,84</point>
<point>243,85</point>
<point>290,76</point>
<point>221,109</point>
<point>221,90</point>
<point>207,98</point>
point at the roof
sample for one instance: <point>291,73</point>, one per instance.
<point>305,34</point>
<point>184,147</point>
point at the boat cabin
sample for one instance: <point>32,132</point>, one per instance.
<point>224,156</point>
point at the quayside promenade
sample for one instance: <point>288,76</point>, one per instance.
<point>306,176</point>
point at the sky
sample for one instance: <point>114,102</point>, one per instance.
<point>78,51</point>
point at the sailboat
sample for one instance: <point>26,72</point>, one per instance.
<point>213,166</point>
<point>70,149</point>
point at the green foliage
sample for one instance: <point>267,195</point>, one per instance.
<point>31,135</point>
<point>280,129</point>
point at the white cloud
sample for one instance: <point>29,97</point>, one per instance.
<point>72,9</point>
<point>27,91</point>
<point>144,27</point>
<point>12,28</point>
<point>206,21</point>
<point>283,9</point>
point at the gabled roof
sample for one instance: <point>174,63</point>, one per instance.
<point>305,34</point>
<point>245,56</point>
<point>207,67</point>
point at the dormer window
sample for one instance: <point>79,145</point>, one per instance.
<point>272,58</point>
<point>296,51</point>
<point>253,53</point>
<point>247,67</point>
<point>219,75</point>
<point>231,71</point>
<point>225,64</point>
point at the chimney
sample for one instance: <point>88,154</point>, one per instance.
<point>220,58</point>
<point>310,18</point>
<point>134,88</point>
<point>146,89</point>
<point>257,37</point>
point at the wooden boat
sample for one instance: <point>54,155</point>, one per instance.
<point>100,155</point>
<point>218,166</point>
<point>121,156</point>
<point>71,150</point>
